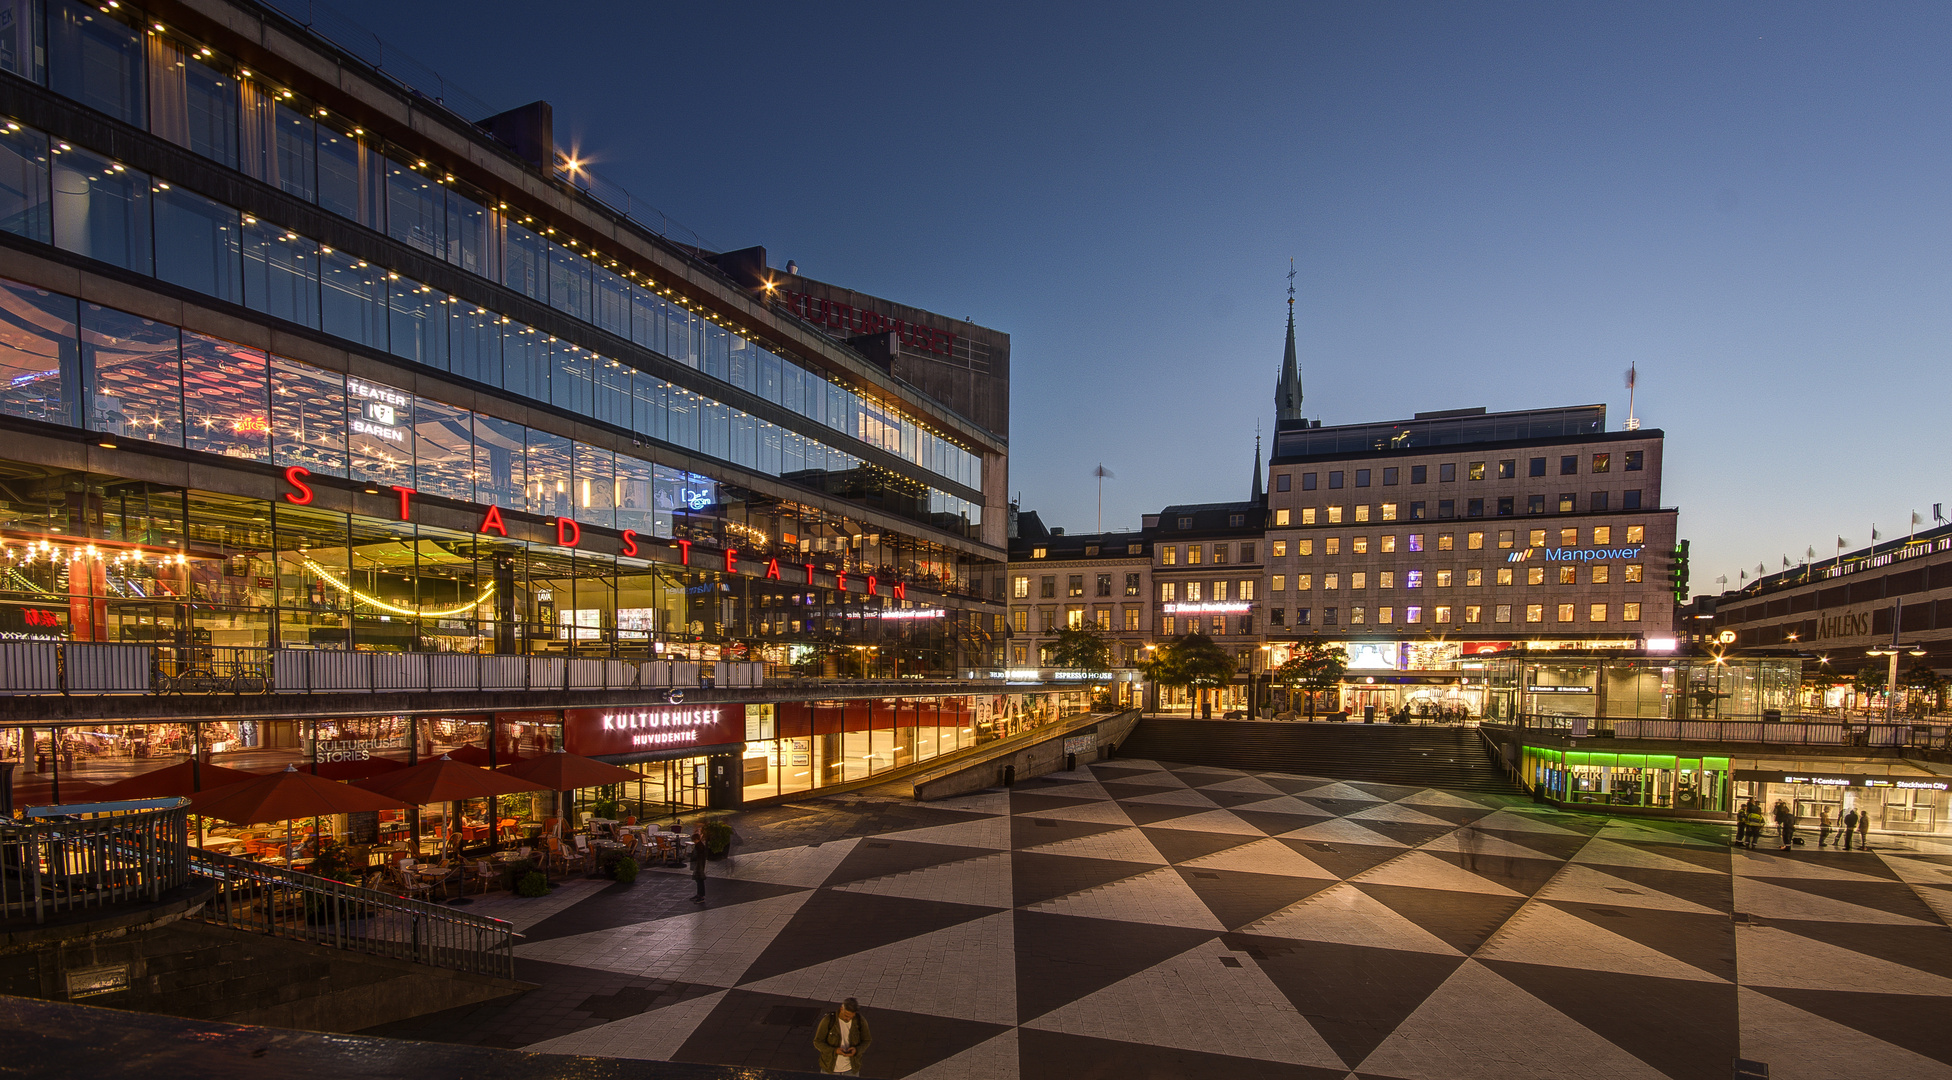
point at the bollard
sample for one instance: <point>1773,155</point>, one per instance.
<point>1009,775</point>
<point>1071,762</point>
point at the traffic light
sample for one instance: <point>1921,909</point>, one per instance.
<point>1677,572</point>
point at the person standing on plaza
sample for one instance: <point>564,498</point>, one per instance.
<point>1785,823</point>
<point>698,864</point>
<point>1850,826</point>
<point>1864,830</point>
<point>841,1038</point>
<point>1822,826</point>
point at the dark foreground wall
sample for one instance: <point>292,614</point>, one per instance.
<point>57,1040</point>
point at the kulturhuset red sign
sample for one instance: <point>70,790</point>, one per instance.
<point>639,729</point>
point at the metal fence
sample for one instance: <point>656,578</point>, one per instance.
<point>87,668</point>
<point>63,865</point>
<point>290,904</point>
<point>1787,732</point>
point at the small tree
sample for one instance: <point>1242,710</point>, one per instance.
<point>1869,681</point>
<point>1314,667</point>
<point>1081,648</point>
<point>1924,686</point>
<point>1193,661</point>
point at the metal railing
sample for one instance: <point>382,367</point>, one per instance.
<point>63,865</point>
<point>289,904</point>
<point>1789,732</point>
<point>89,668</point>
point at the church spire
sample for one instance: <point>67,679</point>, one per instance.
<point>1258,495</point>
<point>1287,392</point>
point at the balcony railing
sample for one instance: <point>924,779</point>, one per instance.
<point>291,904</point>
<point>1783,732</point>
<point>43,668</point>
<point>65,864</point>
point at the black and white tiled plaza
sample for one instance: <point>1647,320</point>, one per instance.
<point>1139,920</point>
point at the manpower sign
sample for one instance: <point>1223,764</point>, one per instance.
<point>1564,554</point>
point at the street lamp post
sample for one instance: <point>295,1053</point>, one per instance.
<point>1892,651</point>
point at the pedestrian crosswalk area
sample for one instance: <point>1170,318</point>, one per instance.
<point>1138,919</point>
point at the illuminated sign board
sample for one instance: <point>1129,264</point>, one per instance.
<point>1563,554</point>
<point>382,411</point>
<point>1210,607</point>
<point>1844,780</point>
<point>609,732</point>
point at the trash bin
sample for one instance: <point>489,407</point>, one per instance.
<point>1369,714</point>
<point>1070,762</point>
<point>1009,775</point>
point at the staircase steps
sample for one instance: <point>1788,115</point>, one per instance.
<point>1435,756</point>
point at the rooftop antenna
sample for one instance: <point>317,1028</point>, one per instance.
<point>1633,376</point>
<point>1103,474</point>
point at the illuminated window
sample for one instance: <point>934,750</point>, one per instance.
<point>1602,462</point>
<point>1332,545</point>
<point>1445,542</point>
<point>1358,545</point>
<point>1502,613</point>
<point>1304,547</point>
<point>1413,579</point>
<point>1246,589</point>
<point>1568,502</point>
<point>1362,512</point>
<point>1104,618</point>
<point>1535,538</point>
<point>1219,554</point>
<point>1386,579</point>
<point>1076,585</point>
<point>1193,591</point>
<point>1037,553</point>
<point>1389,542</point>
<point>1385,615</point>
<point>1535,575</point>
<point>1596,613</point>
<point>1505,539</point>
<point>1443,579</point>
<point>1166,625</point>
<point>1601,572</point>
<point>1334,515</point>
<point>1534,613</point>
<point>1168,554</point>
<point>1474,541</point>
<point>1131,617</point>
<point>1569,575</point>
<point>1168,591</point>
<point>1220,591</point>
<point>1636,534</point>
<point>1535,504</point>
<point>1131,584</point>
<point>1304,582</point>
<point>1508,468</point>
<point>1020,588</point>
<point>1602,534</point>
<point>1632,575</point>
<point>1443,614</point>
<point>1331,581</point>
<point>1020,620</point>
<point>1476,577</point>
<point>1280,517</point>
<point>1194,553</point>
<point>1565,612</point>
<point>1355,616</point>
<point>1220,625</point>
<point>1074,617</point>
<point>1630,612</point>
<point>1359,580</point>
<point>1280,549</point>
<point>1389,511</point>
<point>1308,515</point>
<point>1413,614</point>
<point>1280,583</point>
<point>1475,613</point>
<point>1416,541</point>
<point>1568,537</point>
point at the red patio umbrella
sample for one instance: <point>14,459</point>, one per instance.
<point>478,755</point>
<point>445,780</point>
<point>177,779</point>
<point>567,772</point>
<point>283,796</point>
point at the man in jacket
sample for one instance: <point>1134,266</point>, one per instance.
<point>698,864</point>
<point>1850,825</point>
<point>841,1038</point>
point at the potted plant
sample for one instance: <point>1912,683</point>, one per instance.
<point>624,870</point>
<point>718,838</point>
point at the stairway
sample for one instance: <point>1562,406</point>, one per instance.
<point>1414,756</point>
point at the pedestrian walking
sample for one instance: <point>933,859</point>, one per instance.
<point>1785,823</point>
<point>698,864</point>
<point>1864,830</point>
<point>1822,826</point>
<point>841,1038</point>
<point>1850,826</point>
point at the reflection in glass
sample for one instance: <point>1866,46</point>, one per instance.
<point>131,378</point>
<point>38,358</point>
<point>198,243</point>
<point>101,209</point>
<point>226,404</point>
<point>281,273</point>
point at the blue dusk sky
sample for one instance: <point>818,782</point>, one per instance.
<point>1487,204</point>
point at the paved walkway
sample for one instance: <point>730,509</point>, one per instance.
<point>1134,920</point>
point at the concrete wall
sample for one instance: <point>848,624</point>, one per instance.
<point>1046,755</point>
<point>204,972</point>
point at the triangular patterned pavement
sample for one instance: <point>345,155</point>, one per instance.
<point>1263,857</point>
<point>1477,1023</point>
<point>1239,897</point>
<point>1061,958</point>
<point>1421,870</point>
<point>1776,1030</point>
<point>1591,885</point>
<point>1544,934</point>
<point>833,924</point>
<point>1352,995</point>
<point>1125,845</point>
<point>984,880</point>
<point>1346,915</point>
<point>1682,1028</point>
<point>653,1035</point>
<point>992,1060</point>
<point>1141,1008</point>
<point>1159,898</point>
<point>1037,876</point>
<point>964,971</point>
<point>713,947</point>
<point>1771,957</point>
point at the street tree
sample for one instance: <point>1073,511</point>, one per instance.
<point>1081,648</point>
<point>1314,666</point>
<point>1194,662</point>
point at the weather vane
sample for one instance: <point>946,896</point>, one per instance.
<point>1291,283</point>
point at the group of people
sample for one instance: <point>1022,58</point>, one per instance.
<point>1749,824</point>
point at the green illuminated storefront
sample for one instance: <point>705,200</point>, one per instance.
<point>1651,781</point>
